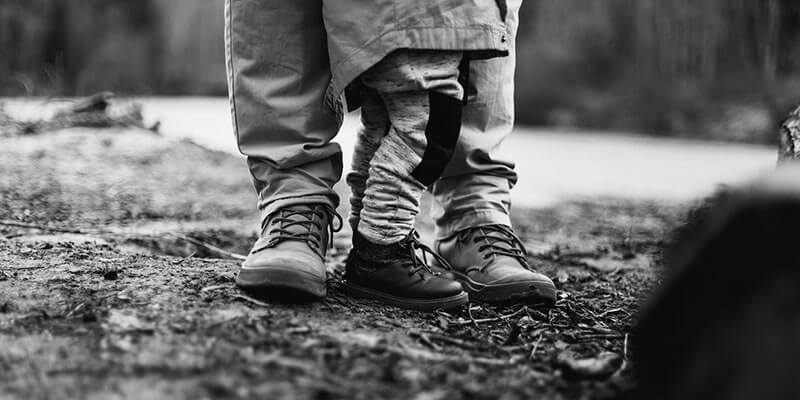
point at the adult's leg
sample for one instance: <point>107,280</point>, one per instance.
<point>278,71</point>
<point>473,199</point>
<point>475,188</point>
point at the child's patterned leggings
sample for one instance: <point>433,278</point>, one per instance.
<point>411,116</point>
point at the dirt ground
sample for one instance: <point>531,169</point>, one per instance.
<point>103,297</point>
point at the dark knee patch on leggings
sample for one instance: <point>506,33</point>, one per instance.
<point>441,134</point>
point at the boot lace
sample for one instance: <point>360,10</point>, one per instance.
<point>498,240</point>
<point>412,243</point>
<point>302,216</point>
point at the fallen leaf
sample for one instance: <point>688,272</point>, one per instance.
<point>600,367</point>
<point>110,275</point>
<point>126,321</point>
<point>436,394</point>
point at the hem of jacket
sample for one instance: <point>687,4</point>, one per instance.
<point>480,42</point>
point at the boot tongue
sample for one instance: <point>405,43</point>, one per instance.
<point>298,223</point>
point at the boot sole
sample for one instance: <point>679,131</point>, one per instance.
<point>285,282</point>
<point>530,291</point>
<point>443,303</point>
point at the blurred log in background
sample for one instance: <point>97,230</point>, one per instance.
<point>719,69</point>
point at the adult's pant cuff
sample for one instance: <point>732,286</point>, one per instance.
<point>472,219</point>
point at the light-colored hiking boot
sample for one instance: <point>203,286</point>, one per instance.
<point>290,255</point>
<point>491,263</point>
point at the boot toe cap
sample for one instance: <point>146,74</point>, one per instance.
<point>430,288</point>
<point>451,288</point>
<point>303,271</point>
<point>289,258</point>
<point>520,275</point>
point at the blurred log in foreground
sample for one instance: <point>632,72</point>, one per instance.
<point>726,321</point>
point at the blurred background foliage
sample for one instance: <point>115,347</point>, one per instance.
<point>713,69</point>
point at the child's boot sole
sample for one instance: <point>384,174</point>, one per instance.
<point>444,303</point>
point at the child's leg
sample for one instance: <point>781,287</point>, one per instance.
<point>413,120</point>
<point>375,125</point>
<point>422,98</point>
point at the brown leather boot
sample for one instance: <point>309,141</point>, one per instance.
<point>291,251</point>
<point>395,275</point>
<point>491,263</point>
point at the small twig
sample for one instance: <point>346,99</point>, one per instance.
<point>528,314</point>
<point>106,296</point>
<point>75,310</point>
<point>471,318</point>
<point>216,287</point>
<point>485,320</point>
<point>444,314</point>
<point>624,365</point>
<point>598,329</point>
<point>599,336</point>
<point>250,300</point>
<point>616,310</point>
<point>29,267</point>
<point>210,247</point>
<point>535,347</point>
<point>625,349</point>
